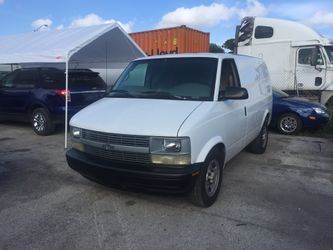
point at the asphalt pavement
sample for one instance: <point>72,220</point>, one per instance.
<point>282,199</point>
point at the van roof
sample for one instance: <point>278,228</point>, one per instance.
<point>188,55</point>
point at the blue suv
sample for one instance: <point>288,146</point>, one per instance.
<point>37,95</point>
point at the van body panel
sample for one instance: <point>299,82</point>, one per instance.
<point>224,119</point>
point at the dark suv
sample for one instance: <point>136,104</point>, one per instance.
<point>37,95</point>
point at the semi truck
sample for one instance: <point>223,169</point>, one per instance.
<point>298,58</point>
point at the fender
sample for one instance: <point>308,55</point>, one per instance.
<point>35,104</point>
<point>264,118</point>
<point>208,147</point>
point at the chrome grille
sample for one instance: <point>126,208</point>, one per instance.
<point>118,139</point>
<point>141,158</point>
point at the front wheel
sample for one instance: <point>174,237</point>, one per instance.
<point>208,183</point>
<point>41,122</point>
<point>289,124</point>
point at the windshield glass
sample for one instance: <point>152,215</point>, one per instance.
<point>329,51</point>
<point>279,93</point>
<point>168,78</point>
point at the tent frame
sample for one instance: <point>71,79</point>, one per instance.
<point>28,48</point>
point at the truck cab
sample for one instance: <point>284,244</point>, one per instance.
<point>170,123</point>
<point>297,57</point>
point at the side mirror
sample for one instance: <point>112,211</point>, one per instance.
<point>233,93</point>
<point>320,67</point>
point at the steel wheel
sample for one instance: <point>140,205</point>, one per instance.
<point>208,183</point>
<point>212,177</point>
<point>264,136</point>
<point>259,144</point>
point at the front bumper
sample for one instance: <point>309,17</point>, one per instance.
<point>320,121</point>
<point>150,178</point>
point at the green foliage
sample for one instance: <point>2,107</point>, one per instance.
<point>214,48</point>
<point>229,44</point>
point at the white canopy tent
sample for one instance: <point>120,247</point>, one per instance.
<point>106,47</point>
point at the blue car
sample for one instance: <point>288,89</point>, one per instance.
<point>37,95</point>
<point>292,114</point>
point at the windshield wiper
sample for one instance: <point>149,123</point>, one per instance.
<point>119,93</point>
<point>164,95</point>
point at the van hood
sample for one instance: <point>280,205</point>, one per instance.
<point>135,116</point>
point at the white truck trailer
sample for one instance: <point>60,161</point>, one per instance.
<point>298,58</point>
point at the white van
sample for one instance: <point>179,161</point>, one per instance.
<point>298,58</point>
<point>172,122</point>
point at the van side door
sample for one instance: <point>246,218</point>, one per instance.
<point>233,112</point>
<point>309,76</point>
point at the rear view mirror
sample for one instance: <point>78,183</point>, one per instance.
<point>233,93</point>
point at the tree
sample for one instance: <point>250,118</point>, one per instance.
<point>214,48</point>
<point>229,44</point>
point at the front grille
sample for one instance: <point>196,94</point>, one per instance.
<point>118,139</point>
<point>140,158</point>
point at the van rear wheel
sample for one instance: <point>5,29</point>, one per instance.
<point>208,183</point>
<point>259,144</point>
<point>41,122</point>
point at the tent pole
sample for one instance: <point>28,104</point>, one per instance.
<point>66,104</point>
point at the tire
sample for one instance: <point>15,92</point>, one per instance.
<point>289,124</point>
<point>41,122</point>
<point>208,183</point>
<point>259,144</point>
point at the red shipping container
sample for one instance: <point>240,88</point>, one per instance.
<point>174,40</point>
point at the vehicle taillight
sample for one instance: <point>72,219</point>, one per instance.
<point>63,92</point>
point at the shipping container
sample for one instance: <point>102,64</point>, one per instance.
<point>174,40</point>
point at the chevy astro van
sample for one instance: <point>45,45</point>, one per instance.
<point>170,123</point>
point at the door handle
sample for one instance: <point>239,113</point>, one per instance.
<point>245,111</point>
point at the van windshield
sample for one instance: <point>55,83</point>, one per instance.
<point>329,51</point>
<point>168,78</point>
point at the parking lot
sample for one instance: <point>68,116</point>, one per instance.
<point>280,200</point>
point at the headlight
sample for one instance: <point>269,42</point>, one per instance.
<point>170,151</point>
<point>76,132</point>
<point>76,135</point>
<point>320,111</point>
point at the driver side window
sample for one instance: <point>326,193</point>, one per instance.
<point>229,75</point>
<point>305,56</point>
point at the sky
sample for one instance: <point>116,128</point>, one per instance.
<point>218,17</point>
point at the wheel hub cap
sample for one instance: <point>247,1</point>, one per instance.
<point>288,124</point>
<point>212,177</point>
